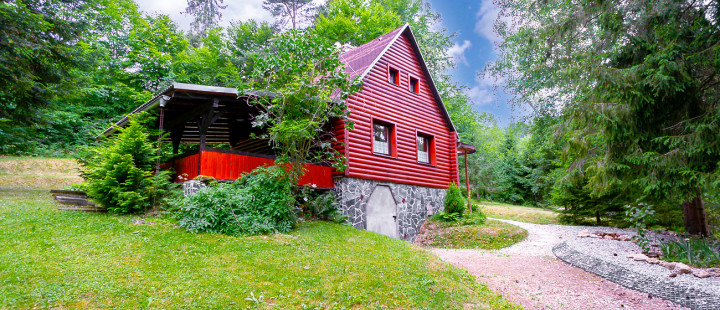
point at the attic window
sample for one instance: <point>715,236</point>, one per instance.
<point>414,85</point>
<point>393,76</point>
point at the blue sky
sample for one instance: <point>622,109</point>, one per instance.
<point>471,21</point>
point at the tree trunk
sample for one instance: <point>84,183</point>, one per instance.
<point>694,214</point>
<point>597,217</point>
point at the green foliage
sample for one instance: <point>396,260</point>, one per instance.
<point>355,21</point>
<point>454,200</point>
<point>290,14</point>
<point>635,86</point>
<point>305,74</point>
<point>324,207</point>
<point>37,50</point>
<point>119,171</point>
<point>261,202</point>
<point>447,217</point>
<point>638,216</point>
<point>698,252</point>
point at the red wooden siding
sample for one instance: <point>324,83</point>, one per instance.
<point>410,113</point>
<point>222,165</point>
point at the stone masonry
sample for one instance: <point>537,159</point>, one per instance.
<point>414,203</point>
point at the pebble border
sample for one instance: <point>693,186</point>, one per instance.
<point>683,294</point>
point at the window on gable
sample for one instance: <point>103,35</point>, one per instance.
<point>382,135</point>
<point>393,76</point>
<point>414,85</point>
<point>425,150</point>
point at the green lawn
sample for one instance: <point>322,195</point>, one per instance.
<point>50,258</point>
<point>491,235</point>
<point>519,213</point>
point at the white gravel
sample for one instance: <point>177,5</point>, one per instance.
<point>534,256</point>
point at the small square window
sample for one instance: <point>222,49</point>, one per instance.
<point>381,139</point>
<point>393,76</point>
<point>414,85</point>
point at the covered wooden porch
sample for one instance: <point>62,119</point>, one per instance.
<point>198,117</point>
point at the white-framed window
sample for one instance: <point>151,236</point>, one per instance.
<point>381,138</point>
<point>423,149</point>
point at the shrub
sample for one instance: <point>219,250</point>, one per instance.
<point>324,207</point>
<point>260,202</point>
<point>475,218</point>
<point>454,201</point>
<point>119,171</point>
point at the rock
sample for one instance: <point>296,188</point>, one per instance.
<point>653,261</point>
<point>638,257</point>
<point>700,273</point>
<point>672,275</point>
<point>668,265</point>
<point>609,237</point>
<point>584,233</point>
<point>624,238</point>
<point>682,268</point>
<point>594,236</point>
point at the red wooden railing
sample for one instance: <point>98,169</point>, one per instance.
<point>230,165</point>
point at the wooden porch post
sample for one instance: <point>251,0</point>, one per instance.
<point>467,182</point>
<point>203,124</point>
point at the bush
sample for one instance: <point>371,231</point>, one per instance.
<point>324,207</point>
<point>119,171</point>
<point>260,202</point>
<point>454,200</point>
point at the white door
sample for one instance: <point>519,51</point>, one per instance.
<point>381,212</point>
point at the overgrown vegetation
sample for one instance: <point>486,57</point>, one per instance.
<point>698,252</point>
<point>261,202</point>
<point>119,172</point>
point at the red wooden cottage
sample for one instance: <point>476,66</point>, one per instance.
<point>402,153</point>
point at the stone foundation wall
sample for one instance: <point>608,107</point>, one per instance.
<point>414,203</point>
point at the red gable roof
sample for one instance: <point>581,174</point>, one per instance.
<point>360,60</point>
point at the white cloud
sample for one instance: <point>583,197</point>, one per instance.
<point>236,10</point>
<point>483,92</point>
<point>486,17</point>
<point>457,52</point>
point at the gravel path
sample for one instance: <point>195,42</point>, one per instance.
<point>529,274</point>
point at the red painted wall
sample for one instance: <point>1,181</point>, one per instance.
<point>410,113</point>
<point>227,166</point>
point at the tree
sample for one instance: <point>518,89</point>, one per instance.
<point>638,87</point>
<point>119,172</point>
<point>207,15</point>
<point>304,73</point>
<point>289,11</point>
<point>38,45</point>
<point>355,21</point>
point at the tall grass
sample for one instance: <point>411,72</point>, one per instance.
<point>698,252</point>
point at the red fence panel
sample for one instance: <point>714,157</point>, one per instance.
<point>229,165</point>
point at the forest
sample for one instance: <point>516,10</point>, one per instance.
<point>624,97</point>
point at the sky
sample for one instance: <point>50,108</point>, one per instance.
<point>473,45</point>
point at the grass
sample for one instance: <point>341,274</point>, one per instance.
<point>491,235</point>
<point>38,173</point>
<point>56,259</point>
<point>519,213</point>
